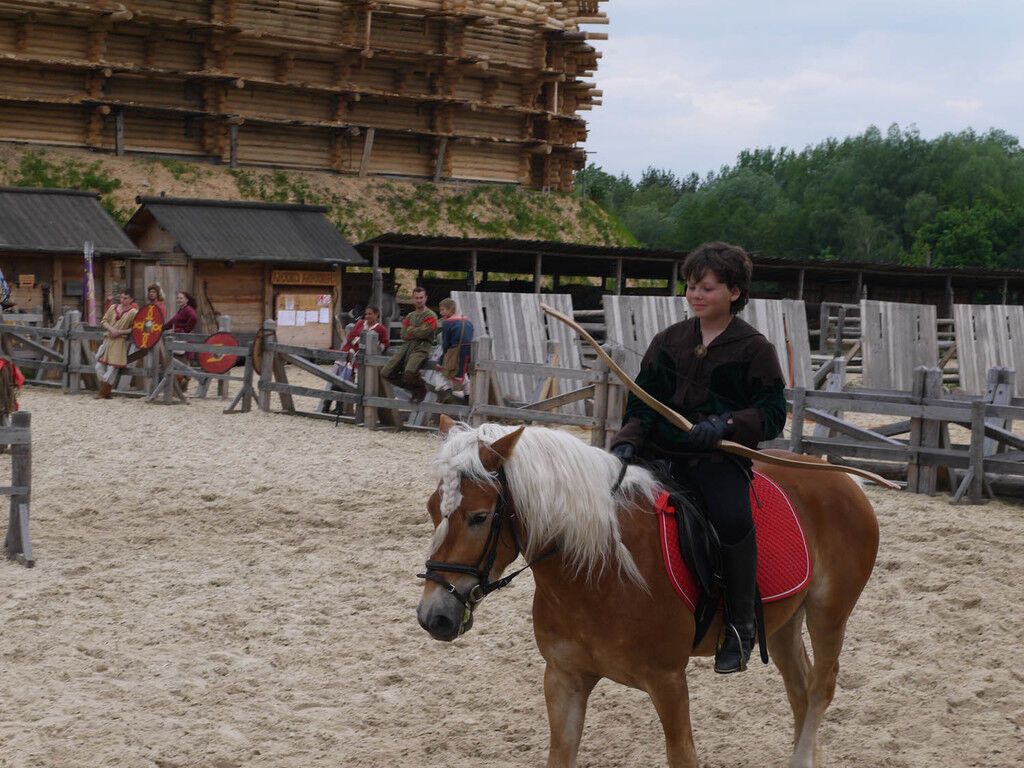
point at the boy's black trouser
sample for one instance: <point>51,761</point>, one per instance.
<point>724,482</point>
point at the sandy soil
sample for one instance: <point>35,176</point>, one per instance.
<point>238,590</point>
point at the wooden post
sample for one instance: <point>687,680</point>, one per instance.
<point>233,145</point>
<point>369,382</point>
<point>471,272</point>
<point>616,395</point>
<point>247,385</point>
<point>364,162</point>
<point>267,364</point>
<point>170,388</point>
<point>18,543</point>
<point>223,326</point>
<point>377,281</point>
<point>442,147</point>
<point>599,433</point>
<point>858,288</point>
<point>950,296</point>
<point>841,329</point>
<point>118,134</point>
<point>673,280</point>
<point>796,429</point>
<point>538,262</point>
<point>916,424</point>
<point>976,491</point>
<point>72,352</point>
<point>924,433</point>
<point>1006,290</point>
<point>481,380</point>
<point>823,329</point>
<point>800,283</point>
<point>618,277</point>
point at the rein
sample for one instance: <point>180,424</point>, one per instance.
<point>482,569</point>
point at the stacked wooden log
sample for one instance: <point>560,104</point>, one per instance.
<point>302,82</point>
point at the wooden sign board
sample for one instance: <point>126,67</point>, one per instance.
<point>301,277</point>
<point>305,319</point>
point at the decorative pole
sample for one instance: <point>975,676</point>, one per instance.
<point>89,285</point>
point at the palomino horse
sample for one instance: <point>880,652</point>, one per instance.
<point>603,605</point>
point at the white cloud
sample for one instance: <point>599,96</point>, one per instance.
<point>712,81</point>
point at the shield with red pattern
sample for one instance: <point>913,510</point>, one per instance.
<point>217,362</point>
<point>147,326</point>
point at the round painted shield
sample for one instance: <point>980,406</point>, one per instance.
<point>147,326</point>
<point>215,362</point>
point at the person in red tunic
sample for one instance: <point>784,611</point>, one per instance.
<point>347,368</point>
<point>185,319</point>
<point>155,295</point>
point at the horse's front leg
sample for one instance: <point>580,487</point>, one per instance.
<point>671,699</point>
<point>566,694</point>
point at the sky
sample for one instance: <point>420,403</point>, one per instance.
<point>688,84</point>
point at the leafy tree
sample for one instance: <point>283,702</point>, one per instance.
<point>893,196</point>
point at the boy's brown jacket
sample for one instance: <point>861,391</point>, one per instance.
<point>738,373</point>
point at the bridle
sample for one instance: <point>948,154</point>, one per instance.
<point>481,571</point>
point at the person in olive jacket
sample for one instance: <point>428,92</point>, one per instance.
<point>724,377</point>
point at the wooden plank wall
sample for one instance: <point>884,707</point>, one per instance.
<point>896,338</point>
<point>988,336</point>
<point>294,78</point>
<point>784,324</point>
<point>633,321</point>
<point>520,331</point>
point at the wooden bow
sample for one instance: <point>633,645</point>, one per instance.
<point>680,421</point>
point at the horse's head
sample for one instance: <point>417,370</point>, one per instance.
<point>475,540</point>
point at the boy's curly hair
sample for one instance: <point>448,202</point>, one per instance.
<point>729,263</point>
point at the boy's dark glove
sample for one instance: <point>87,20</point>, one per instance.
<point>710,432</point>
<point>624,451</point>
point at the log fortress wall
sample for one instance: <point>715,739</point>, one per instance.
<point>487,90</point>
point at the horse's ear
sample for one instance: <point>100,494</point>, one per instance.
<point>498,452</point>
<point>445,424</point>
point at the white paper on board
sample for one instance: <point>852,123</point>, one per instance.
<point>285,317</point>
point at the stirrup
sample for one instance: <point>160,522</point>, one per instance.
<point>729,658</point>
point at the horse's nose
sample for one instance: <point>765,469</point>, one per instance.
<point>438,624</point>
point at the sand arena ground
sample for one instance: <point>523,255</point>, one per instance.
<point>219,591</point>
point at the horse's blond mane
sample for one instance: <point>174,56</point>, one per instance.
<point>562,490</point>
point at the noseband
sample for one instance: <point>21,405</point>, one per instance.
<point>481,571</point>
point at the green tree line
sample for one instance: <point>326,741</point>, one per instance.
<point>957,200</point>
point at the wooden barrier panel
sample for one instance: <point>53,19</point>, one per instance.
<point>988,336</point>
<point>520,332</point>
<point>896,338</point>
<point>926,453</point>
<point>631,322</point>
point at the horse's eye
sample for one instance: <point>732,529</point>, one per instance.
<point>479,518</point>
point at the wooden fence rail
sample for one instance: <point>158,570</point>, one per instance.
<point>926,415</point>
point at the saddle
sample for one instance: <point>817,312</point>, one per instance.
<point>692,551</point>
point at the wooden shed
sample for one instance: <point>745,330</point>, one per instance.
<point>43,233</point>
<point>250,260</point>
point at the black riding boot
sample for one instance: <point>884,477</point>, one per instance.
<point>739,562</point>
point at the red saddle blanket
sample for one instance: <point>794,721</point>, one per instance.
<point>783,564</point>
